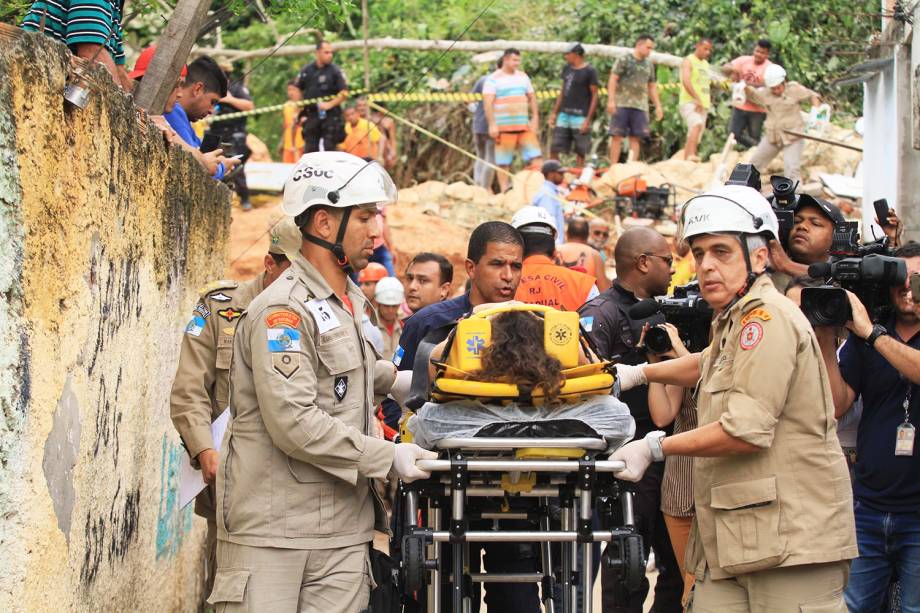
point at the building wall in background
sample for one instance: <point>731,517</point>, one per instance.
<point>107,235</point>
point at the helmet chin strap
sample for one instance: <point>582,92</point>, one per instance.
<point>751,275</point>
<point>336,248</point>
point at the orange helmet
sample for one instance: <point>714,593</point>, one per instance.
<point>373,272</point>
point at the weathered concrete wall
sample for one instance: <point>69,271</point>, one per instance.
<point>104,237</point>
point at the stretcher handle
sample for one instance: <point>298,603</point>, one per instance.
<point>552,466</point>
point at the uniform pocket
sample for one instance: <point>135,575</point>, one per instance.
<point>229,586</point>
<point>747,517</point>
<point>224,357</point>
<point>309,501</point>
<point>339,356</point>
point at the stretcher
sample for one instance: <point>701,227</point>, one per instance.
<point>560,484</point>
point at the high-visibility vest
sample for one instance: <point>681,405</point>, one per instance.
<point>543,282</point>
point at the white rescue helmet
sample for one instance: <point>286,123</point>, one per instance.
<point>389,292</point>
<point>728,209</point>
<point>534,219</point>
<point>774,75</point>
<point>336,179</point>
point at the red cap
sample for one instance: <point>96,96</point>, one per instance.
<point>143,61</point>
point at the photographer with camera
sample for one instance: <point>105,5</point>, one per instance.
<point>773,529</point>
<point>643,262</point>
<point>881,364</point>
<point>810,240</point>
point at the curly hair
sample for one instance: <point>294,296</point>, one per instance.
<point>516,355</point>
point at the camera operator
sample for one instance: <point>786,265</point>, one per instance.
<point>881,364</point>
<point>643,262</point>
<point>809,240</point>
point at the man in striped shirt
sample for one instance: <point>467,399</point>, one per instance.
<point>507,95</point>
<point>85,26</point>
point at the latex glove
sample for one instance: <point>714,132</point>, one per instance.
<point>638,457</point>
<point>629,376</point>
<point>404,462</point>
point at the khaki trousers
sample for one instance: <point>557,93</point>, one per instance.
<point>792,157</point>
<point>256,579</point>
<point>809,588</point>
<point>679,533</point>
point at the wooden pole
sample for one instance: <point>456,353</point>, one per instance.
<point>464,46</point>
<point>173,49</point>
<point>367,56</point>
<point>826,141</point>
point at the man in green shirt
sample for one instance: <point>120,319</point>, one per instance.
<point>694,99</point>
<point>631,84</point>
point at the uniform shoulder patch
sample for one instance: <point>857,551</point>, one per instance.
<point>285,318</point>
<point>219,297</point>
<point>213,286</point>
<point>757,313</point>
<point>751,335</point>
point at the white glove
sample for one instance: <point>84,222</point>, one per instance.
<point>629,376</point>
<point>638,457</point>
<point>404,462</point>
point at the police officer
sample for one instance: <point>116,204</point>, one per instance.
<point>200,391</point>
<point>542,280</point>
<point>323,120</point>
<point>296,509</point>
<point>774,513</point>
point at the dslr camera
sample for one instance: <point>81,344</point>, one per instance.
<point>686,310</point>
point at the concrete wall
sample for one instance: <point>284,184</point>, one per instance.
<point>106,234</point>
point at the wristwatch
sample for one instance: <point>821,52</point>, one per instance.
<point>654,443</point>
<point>877,331</point>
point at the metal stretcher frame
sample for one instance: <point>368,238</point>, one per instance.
<point>459,474</point>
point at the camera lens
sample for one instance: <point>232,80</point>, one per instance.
<point>826,306</point>
<point>657,340</point>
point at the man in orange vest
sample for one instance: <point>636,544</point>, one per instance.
<point>542,280</point>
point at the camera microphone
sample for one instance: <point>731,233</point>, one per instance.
<point>821,270</point>
<point>644,309</point>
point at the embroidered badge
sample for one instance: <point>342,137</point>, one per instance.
<point>219,297</point>
<point>228,331</point>
<point>282,318</point>
<point>283,339</point>
<point>195,326</point>
<point>203,310</point>
<point>751,335</point>
<point>286,364</point>
<point>340,388</point>
<point>760,314</point>
<point>230,314</point>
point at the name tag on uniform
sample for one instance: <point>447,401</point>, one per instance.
<point>323,315</point>
<point>904,444</point>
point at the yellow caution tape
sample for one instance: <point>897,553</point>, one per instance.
<point>462,97</point>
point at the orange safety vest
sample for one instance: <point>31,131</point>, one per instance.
<point>544,282</point>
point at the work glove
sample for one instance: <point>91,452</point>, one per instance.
<point>404,462</point>
<point>638,457</point>
<point>629,376</point>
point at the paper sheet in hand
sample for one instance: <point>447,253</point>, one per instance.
<point>190,480</point>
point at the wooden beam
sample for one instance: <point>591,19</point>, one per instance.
<point>826,141</point>
<point>464,46</point>
<point>173,49</point>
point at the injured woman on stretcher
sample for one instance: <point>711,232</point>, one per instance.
<point>520,371</point>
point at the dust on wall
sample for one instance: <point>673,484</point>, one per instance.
<point>107,233</point>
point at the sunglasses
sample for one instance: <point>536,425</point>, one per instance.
<point>667,258</point>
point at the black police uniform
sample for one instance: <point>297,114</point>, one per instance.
<point>230,135</point>
<point>316,82</point>
<point>606,320</point>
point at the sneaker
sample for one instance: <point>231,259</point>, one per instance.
<point>247,206</point>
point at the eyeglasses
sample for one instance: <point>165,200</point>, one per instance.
<point>600,233</point>
<point>667,258</point>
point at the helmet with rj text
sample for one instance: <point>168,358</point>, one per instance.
<point>730,209</point>
<point>532,218</point>
<point>339,180</point>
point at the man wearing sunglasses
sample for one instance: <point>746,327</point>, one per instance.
<point>643,260</point>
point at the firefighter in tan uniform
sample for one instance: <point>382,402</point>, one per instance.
<point>296,509</point>
<point>774,529</point>
<point>201,389</point>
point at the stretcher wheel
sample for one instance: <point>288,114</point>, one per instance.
<point>415,573</point>
<point>633,562</point>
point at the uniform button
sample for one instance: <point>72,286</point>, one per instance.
<point>290,278</point>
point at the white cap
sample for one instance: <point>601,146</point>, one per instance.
<point>353,181</point>
<point>532,215</point>
<point>728,208</point>
<point>389,291</point>
<point>774,75</point>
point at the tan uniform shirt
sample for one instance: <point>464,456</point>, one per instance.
<point>390,341</point>
<point>783,112</point>
<point>201,390</point>
<point>296,464</point>
<point>789,504</point>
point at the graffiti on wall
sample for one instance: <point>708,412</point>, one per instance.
<point>173,523</point>
<point>108,535</point>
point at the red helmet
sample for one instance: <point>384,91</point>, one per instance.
<point>373,272</point>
